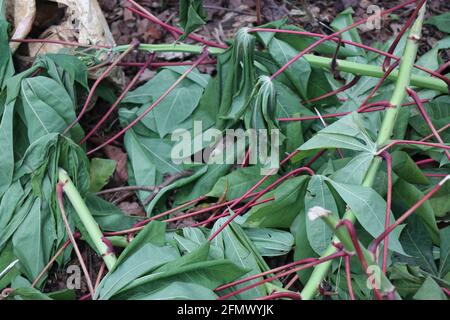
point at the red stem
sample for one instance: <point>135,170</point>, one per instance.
<point>409,142</point>
<point>334,92</point>
<point>262,274</point>
<point>214,218</point>
<point>97,82</point>
<point>291,283</point>
<point>371,107</point>
<point>119,99</point>
<point>238,212</point>
<point>348,276</point>
<point>387,60</point>
<point>283,274</point>
<point>354,237</point>
<point>426,117</point>
<point>201,58</point>
<point>439,130</point>
<point>147,15</point>
<point>435,175</point>
<point>376,242</point>
<point>425,161</point>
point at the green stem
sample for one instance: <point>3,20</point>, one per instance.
<point>426,82</point>
<point>387,127</point>
<point>86,218</point>
<point>344,237</point>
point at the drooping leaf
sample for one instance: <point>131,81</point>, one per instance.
<point>192,16</point>
<point>280,212</point>
<point>405,168</point>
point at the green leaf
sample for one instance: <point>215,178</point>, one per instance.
<point>75,68</point>
<point>280,212</point>
<point>442,22</point>
<point>108,216</point>
<point>439,201</point>
<point>204,184</point>
<point>406,168</point>
<point>343,20</point>
<point>142,171</point>
<point>318,85</point>
<point>192,16</point>
<point>418,246</point>
<point>33,240</point>
<point>430,290</point>
<point>146,259</point>
<point>270,242</point>
<point>319,194</point>
<point>348,133</point>
<point>355,170</point>
<point>179,291</point>
<point>6,258</point>
<point>101,171</point>
<point>236,251</point>
<point>303,249</point>
<point>6,63</point>
<point>7,143</point>
<point>176,107</point>
<point>298,72</point>
<point>27,294</point>
<point>369,208</point>
<point>154,233</point>
<point>47,107</point>
<point>438,110</point>
<point>239,181</point>
<point>406,279</point>
<point>409,195</point>
<point>444,262</point>
<point>192,268</point>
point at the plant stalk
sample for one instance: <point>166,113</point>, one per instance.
<point>425,82</point>
<point>86,218</point>
<point>385,133</point>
